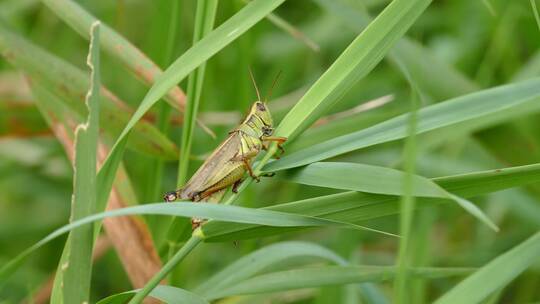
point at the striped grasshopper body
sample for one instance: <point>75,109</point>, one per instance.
<point>227,164</point>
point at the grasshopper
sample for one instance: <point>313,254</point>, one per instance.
<point>231,159</point>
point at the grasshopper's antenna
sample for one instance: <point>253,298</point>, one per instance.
<point>255,84</point>
<point>269,94</point>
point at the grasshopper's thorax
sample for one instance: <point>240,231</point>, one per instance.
<point>258,122</point>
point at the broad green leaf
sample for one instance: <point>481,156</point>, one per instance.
<point>380,180</point>
<point>355,62</point>
<point>70,84</point>
<point>167,294</point>
<point>187,209</point>
<point>482,108</point>
<point>76,269</point>
<point>496,274</point>
<point>357,207</point>
<point>323,276</point>
<point>264,258</point>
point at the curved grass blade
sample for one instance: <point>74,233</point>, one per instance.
<point>76,269</point>
<point>165,293</point>
<point>496,274</point>
<point>325,276</point>
<point>486,107</point>
<point>357,207</point>
<point>189,209</point>
<point>380,180</point>
<point>263,258</point>
<point>363,178</point>
<point>355,62</point>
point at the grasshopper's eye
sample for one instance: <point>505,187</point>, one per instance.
<point>260,106</point>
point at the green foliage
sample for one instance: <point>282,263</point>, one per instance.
<point>394,111</point>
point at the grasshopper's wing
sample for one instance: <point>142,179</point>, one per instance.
<point>215,162</point>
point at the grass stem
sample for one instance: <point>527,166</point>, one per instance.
<point>195,239</point>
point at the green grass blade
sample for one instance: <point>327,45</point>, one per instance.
<point>167,294</point>
<point>380,180</point>
<point>324,276</point>
<point>363,178</point>
<point>358,207</point>
<point>355,62</point>
<point>204,22</point>
<point>496,274</point>
<point>77,268</point>
<point>264,258</point>
<point>496,104</point>
<point>188,209</point>
<point>433,76</point>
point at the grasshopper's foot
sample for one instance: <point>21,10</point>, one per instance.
<point>196,223</point>
<point>196,197</point>
<point>281,151</point>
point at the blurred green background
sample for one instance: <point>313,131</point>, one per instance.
<point>480,44</point>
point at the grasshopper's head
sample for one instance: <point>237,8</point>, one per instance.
<point>261,111</point>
